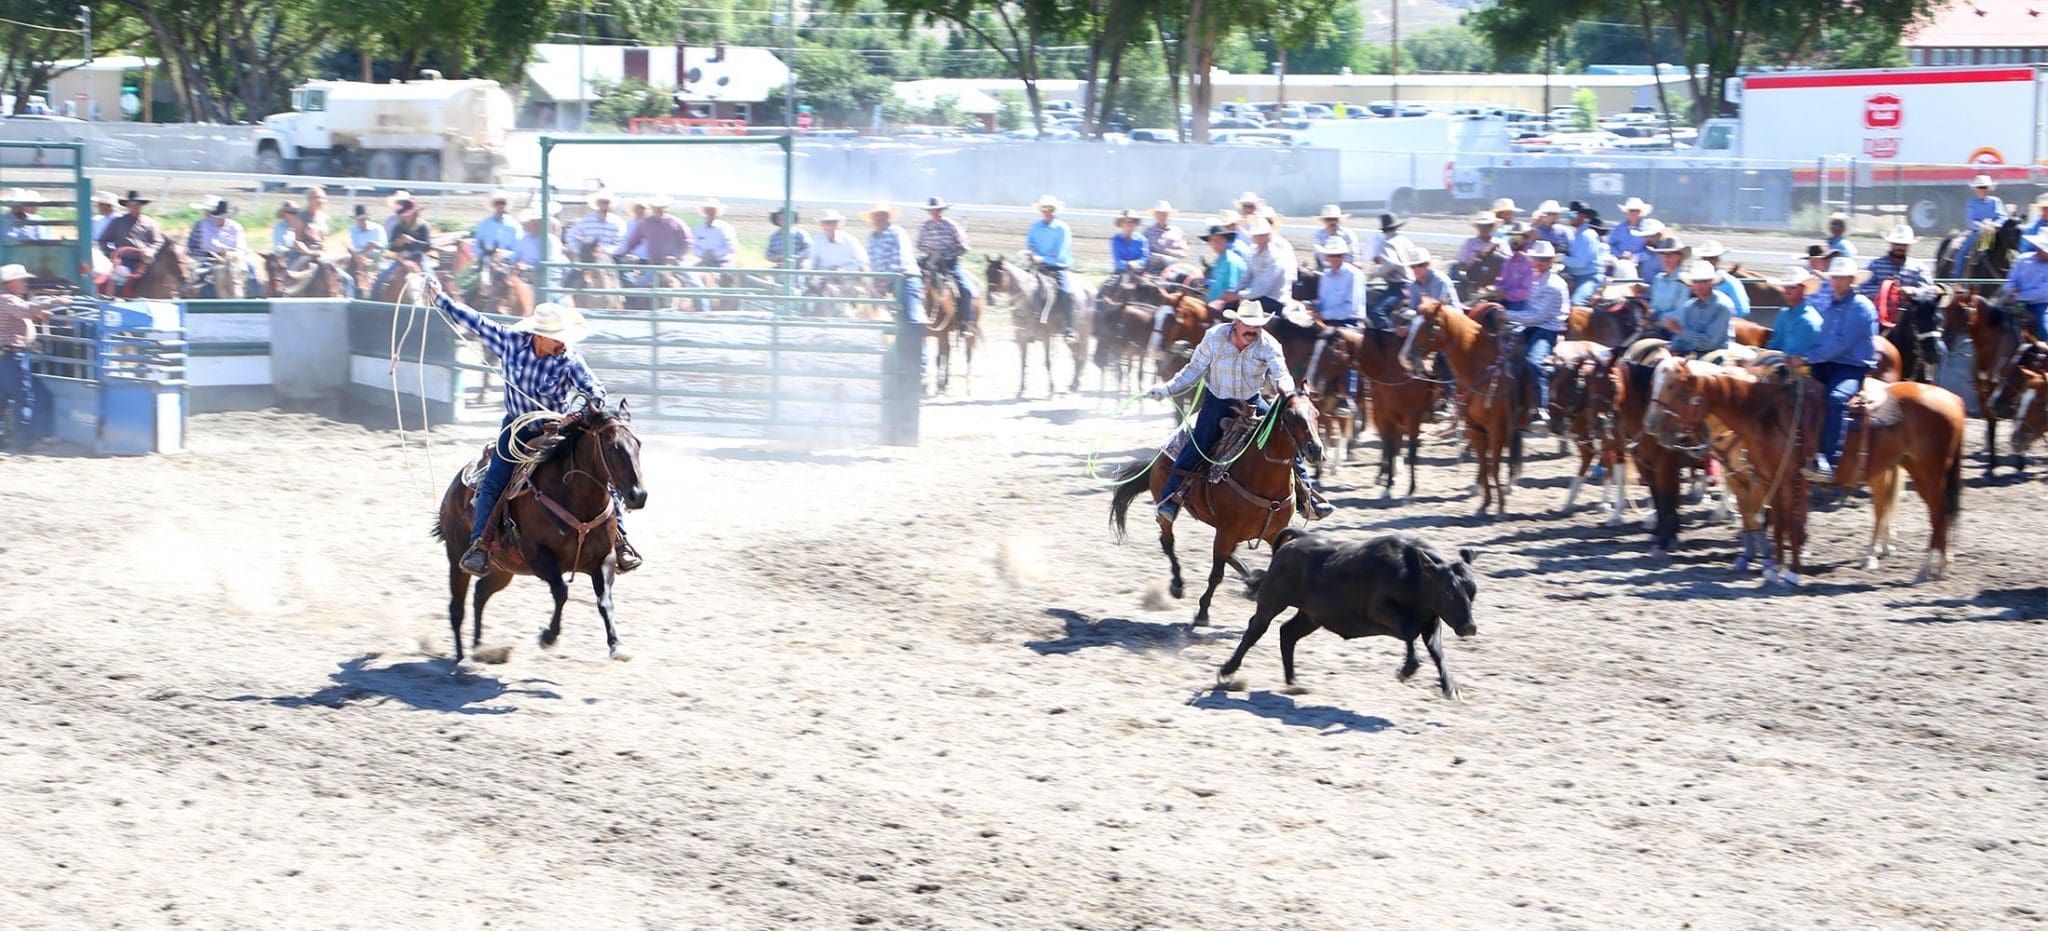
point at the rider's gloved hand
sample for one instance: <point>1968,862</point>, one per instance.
<point>1158,393</point>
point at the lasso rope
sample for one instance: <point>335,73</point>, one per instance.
<point>1186,424</point>
<point>519,451</point>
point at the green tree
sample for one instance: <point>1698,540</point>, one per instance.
<point>620,102</point>
<point>1447,49</point>
<point>1588,117</point>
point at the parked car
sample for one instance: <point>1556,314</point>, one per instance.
<point>1237,123</point>
<point>1154,135</point>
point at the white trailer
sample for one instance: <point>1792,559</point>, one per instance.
<point>425,130</point>
<point>1405,163</point>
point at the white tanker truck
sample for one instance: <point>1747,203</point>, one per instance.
<point>426,130</point>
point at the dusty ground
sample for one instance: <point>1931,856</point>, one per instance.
<point>924,689</point>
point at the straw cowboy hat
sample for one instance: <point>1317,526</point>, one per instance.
<point>601,194</point>
<point>20,195</point>
<point>1667,245</point>
<point>1541,250</point>
<point>832,216</point>
<point>1505,203</point>
<point>14,272</point>
<point>496,196</point>
<point>1650,229</point>
<point>529,215</point>
<point>1047,201</point>
<point>1330,212</point>
<point>1636,203</point>
<point>1125,216</point>
<point>659,202</point>
<point>1901,235</point>
<point>1415,255</point>
<point>1983,181</point>
<point>935,202</point>
<point>1334,245</point>
<point>710,203</point>
<point>1845,267</point>
<point>1246,198</point>
<point>879,208</point>
<point>1700,270</point>
<point>1839,217</point>
<point>105,197</point>
<point>1484,219</point>
<point>558,322</point>
<point>1548,206</point>
<point>1164,207</point>
<point>1249,313</point>
<point>1711,249</point>
<point>1266,212</point>
<point>1797,276</point>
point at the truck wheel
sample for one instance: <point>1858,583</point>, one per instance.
<point>383,165</point>
<point>269,162</point>
<point>423,167</point>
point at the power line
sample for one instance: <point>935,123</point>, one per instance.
<point>23,25</point>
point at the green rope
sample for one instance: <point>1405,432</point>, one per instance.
<point>1094,470</point>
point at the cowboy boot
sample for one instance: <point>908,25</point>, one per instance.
<point>625,559</point>
<point>474,560</point>
<point>1309,503</point>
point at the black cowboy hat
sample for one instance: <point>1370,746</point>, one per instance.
<point>362,210</point>
<point>1389,221</point>
<point>775,216</point>
<point>1218,229</point>
<point>1577,206</point>
<point>134,197</point>
<point>1820,250</point>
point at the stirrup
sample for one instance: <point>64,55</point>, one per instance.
<point>475,560</point>
<point>625,558</point>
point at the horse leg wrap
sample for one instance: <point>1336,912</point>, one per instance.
<point>1159,319</point>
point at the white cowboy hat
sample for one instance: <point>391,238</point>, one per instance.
<point>1711,249</point>
<point>1548,206</point>
<point>1334,245</point>
<point>1983,181</point>
<point>1650,229</point>
<point>1540,249</point>
<point>558,322</point>
<point>1838,217</point>
<point>497,196</point>
<point>1047,200</point>
<point>1901,235</point>
<point>659,202</point>
<point>1246,198</point>
<point>1415,255</point>
<point>2039,241</point>
<point>601,194</point>
<point>879,208</point>
<point>530,215</point>
<point>1636,203</point>
<point>935,202</point>
<point>2041,201</point>
<point>1266,212</point>
<point>1845,267</point>
<point>1504,203</point>
<point>1667,245</point>
<point>19,194</point>
<point>1162,207</point>
<point>832,216</point>
<point>711,203</point>
<point>1249,313</point>
<point>1700,270</point>
<point>105,197</point>
<point>1125,216</point>
<point>1797,276</point>
<point>1483,218</point>
<point>1330,212</point>
<point>1258,227</point>
<point>397,196</point>
<point>15,272</point>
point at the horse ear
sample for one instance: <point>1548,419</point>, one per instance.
<point>1468,555</point>
<point>625,410</point>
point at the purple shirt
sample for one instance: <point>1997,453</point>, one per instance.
<point>1517,276</point>
<point>664,236</point>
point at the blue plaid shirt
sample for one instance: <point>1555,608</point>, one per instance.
<point>889,250</point>
<point>1910,273</point>
<point>533,382</point>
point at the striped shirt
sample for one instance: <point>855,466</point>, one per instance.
<point>889,250</point>
<point>533,381</point>
<point>942,239</point>
<point>1166,242</point>
<point>1910,274</point>
<point>1549,305</point>
<point>1234,374</point>
<point>608,232</point>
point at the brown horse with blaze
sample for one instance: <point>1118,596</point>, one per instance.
<point>1497,399</point>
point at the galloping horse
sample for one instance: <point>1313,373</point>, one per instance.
<point>563,521</point>
<point>1497,398</point>
<point>1253,500</point>
<point>1917,429</point>
<point>944,321</point>
<point>1031,312</point>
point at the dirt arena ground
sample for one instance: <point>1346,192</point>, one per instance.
<point>924,689</point>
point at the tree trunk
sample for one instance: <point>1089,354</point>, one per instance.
<point>1170,54</point>
<point>1111,86</point>
<point>1650,42</point>
<point>1198,45</point>
<point>1089,93</point>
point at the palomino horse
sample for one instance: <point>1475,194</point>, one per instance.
<point>1253,499</point>
<point>944,321</point>
<point>1497,396</point>
<point>1998,335</point>
<point>563,521</point>
<point>1401,400</point>
<point>323,279</point>
<point>225,276</point>
<point>1031,312</point>
<point>1917,429</point>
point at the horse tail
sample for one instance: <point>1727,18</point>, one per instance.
<point>1515,450</point>
<point>1127,489</point>
<point>1952,493</point>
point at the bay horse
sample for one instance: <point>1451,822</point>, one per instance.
<point>1921,436</point>
<point>1496,397</point>
<point>1619,395</point>
<point>1576,363</point>
<point>1031,313</point>
<point>944,321</point>
<point>499,288</point>
<point>1998,336</point>
<point>1400,400</point>
<point>598,279</point>
<point>323,279</point>
<point>164,278</point>
<point>564,517</point>
<point>1252,501</point>
<point>1188,320</point>
<point>1126,308</point>
<point>1608,323</point>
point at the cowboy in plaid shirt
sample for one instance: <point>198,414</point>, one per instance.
<point>945,241</point>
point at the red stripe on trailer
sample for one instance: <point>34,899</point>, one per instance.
<point>1885,78</point>
<point>1880,173</point>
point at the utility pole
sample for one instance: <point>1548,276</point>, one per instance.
<point>789,90</point>
<point>1280,97</point>
<point>582,39</point>
<point>1394,49</point>
<point>85,17</point>
<point>1549,47</point>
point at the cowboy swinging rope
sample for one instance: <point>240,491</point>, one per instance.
<point>521,452</point>
<point>1256,441</point>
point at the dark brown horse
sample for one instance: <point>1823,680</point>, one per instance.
<point>1496,398</point>
<point>1998,334</point>
<point>1777,423</point>
<point>1992,262</point>
<point>1609,323</point>
<point>1400,400</point>
<point>1031,312</point>
<point>563,521</point>
<point>1254,500</point>
<point>944,321</point>
<point>1576,364</point>
<point>163,278</point>
<point>1619,394</point>
<point>323,279</point>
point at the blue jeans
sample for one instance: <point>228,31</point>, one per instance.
<point>1536,345</point>
<point>492,486</point>
<point>17,394</point>
<point>1207,429</point>
<point>910,301</point>
<point>1842,380</point>
<point>1350,372</point>
<point>965,282</point>
<point>1585,286</point>
<point>2037,317</point>
<point>1380,311</point>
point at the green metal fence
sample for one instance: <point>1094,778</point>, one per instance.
<point>40,176</point>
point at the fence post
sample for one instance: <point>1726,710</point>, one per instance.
<point>906,380</point>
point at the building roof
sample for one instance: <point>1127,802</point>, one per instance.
<point>747,74</point>
<point>104,63</point>
<point>1984,24</point>
<point>927,93</point>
